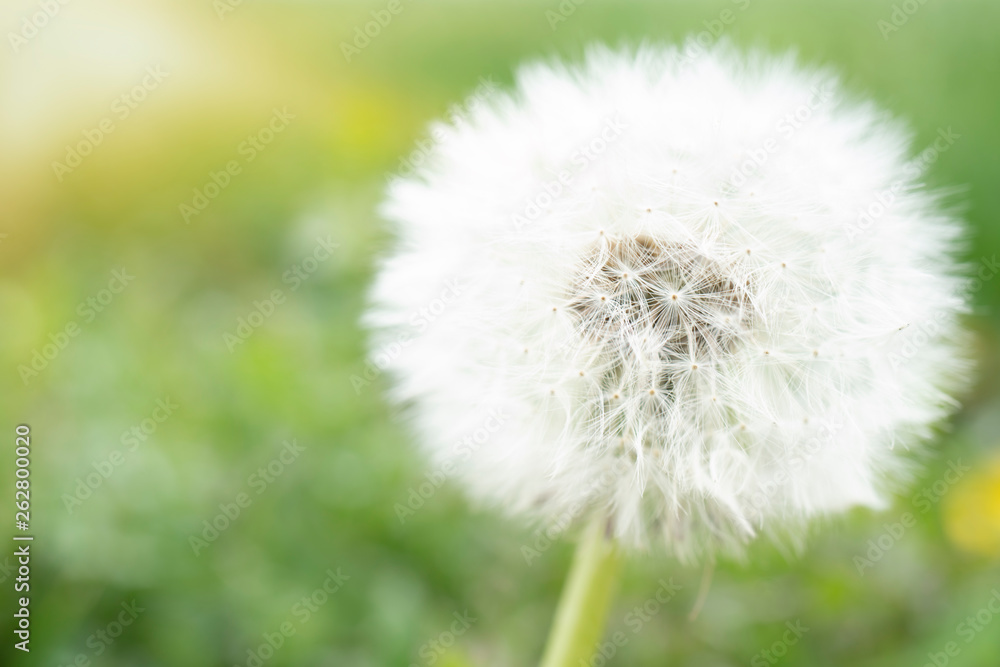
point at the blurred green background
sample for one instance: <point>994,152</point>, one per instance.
<point>325,515</point>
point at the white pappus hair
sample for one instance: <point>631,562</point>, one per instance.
<point>643,286</point>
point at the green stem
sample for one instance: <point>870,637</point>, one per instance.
<point>583,607</point>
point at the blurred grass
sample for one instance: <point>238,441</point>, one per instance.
<point>163,336</point>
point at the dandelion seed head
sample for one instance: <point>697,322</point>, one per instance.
<point>729,365</point>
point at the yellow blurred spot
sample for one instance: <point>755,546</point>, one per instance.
<point>455,658</point>
<point>972,511</point>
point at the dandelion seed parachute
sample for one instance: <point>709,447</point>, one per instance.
<point>667,292</point>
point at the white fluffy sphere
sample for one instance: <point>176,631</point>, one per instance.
<point>684,291</point>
